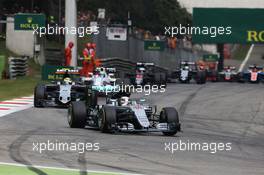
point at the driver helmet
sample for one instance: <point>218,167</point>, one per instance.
<point>255,68</point>
<point>102,71</point>
<point>186,67</point>
<point>124,101</point>
<point>71,44</point>
<point>67,80</point>
<point>88,45</point>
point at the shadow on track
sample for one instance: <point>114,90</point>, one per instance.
<point>15,154</point>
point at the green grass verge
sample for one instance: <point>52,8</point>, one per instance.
<point>241,52</point>
<point>23,86</point>
<point>4,51</point>
<point>21,170</point>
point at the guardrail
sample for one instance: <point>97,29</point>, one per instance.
<point>18,66</point>
<point>124,66</point>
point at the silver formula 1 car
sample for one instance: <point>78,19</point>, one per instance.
<point>148,74</point>
<point>228,74</point>
<point>190,70</point>
<point>120,113</point>
<point>60,93</point>
<point>102,80</point>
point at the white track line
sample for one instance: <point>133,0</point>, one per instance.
<point>246,58</point>
<point>15,105</point>
<point>64,169</point>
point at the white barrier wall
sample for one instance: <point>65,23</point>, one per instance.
<point>19,42</point>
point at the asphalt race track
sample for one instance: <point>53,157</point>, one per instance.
<point>212,113</point>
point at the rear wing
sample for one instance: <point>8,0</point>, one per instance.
<point>67,71</point>
<point>188,62</point>
<point>231,67</point>
<point>254,66</point>
<point>111,70</point>
<point>145,64</point>
<point>108,70</point>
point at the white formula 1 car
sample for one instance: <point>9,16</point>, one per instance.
<point>59,93</point>
<point>102,80</point>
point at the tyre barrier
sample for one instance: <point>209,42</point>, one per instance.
<point>18,66</point>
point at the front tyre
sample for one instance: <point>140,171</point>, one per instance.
<point>214,76</point>
<point>39,95</point>
<point>201,77</point>
<point>170,116</point>
<point>107,119</point>
<point>77,114</point>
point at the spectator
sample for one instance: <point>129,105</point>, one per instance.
<point>147,35</point>
<point>173,43</point>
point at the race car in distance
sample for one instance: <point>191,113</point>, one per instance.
<point>228,74</point>
<point>189,70</point>
<point>60,93</point>
<point>254,74</point>
<point>212,70</point>
<point>122,114</point>
<point>147,74</point>
<point>102,80</point>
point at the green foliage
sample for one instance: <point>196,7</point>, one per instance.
<point>151,15</point>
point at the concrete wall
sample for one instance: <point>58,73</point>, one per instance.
<point>19,42</point>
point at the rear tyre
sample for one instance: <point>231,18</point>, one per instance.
<point>170,115</point>
<point>106,119</point>
<point>214,75</point>
<point>39,95</point>
<point>240,77</point>
<point>184,81</point>
<point>201,77</point>
<point>77,114</point>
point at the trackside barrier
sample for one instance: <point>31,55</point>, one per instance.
<point>124,66</point>
<point>18,66</point>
